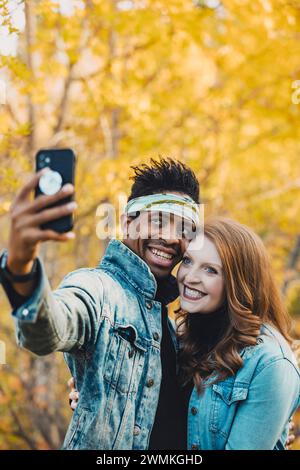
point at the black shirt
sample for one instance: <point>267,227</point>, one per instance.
<point>169,431</point>
<point>208,328</point>
<point>170,426</point>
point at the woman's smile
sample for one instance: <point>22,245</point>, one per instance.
<point>192,294</point>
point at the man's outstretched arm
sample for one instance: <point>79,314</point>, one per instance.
<point>47,321</point>
<point>64,319</point>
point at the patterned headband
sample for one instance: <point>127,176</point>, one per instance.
<point>182,206</point>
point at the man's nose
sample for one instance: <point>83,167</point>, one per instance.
<point>173,243</point>
<point>170,235</point>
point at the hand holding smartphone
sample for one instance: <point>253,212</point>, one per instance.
<point>48,217</point>
<point>61,164</point>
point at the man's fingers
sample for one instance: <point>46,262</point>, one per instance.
<point>71,383</point>
<point>47,235</point>
<point>291,426</point>
<point>51,214</point>
<point>43,201</point>
<point>73,405</point>
<point>74,395</point>
<point>290,441</point>
<point>30,185</point>
<point>32,236</point>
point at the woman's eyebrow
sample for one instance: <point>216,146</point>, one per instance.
<point>214,264</point>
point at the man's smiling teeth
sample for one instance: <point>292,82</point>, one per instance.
<point>195,294</point>
<point>161,254</point>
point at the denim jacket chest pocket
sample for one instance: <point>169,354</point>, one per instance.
<point>226,397</point>
<point>124,359</point>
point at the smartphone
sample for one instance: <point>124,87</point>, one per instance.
<point>62,165</point>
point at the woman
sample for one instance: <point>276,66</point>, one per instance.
<point>241,381</point>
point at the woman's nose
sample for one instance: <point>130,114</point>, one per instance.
<point>192,277</point>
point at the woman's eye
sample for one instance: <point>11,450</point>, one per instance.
<point>186,260</point>
<point>211,270</point>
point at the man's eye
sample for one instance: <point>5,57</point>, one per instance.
<point>159,221</point>
<point>188,233</point>
<point>156,221</point>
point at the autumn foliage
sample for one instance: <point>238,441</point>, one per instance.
<point>213,84</point>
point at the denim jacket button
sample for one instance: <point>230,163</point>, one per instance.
<point>194,411</point>
<point>150,383</point>
<point>156,336</point>
<point>149,305</point>
<point>194,447</point>
<point>136,430</point>
<point>25,312</point>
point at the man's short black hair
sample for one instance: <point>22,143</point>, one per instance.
<point>164,175</point>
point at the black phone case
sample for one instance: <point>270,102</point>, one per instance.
<point>62,161</point>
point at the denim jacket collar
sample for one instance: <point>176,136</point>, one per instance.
<point>119,257</point>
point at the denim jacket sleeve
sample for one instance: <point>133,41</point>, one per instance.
<point>65,319</point>
<point>272,398</point>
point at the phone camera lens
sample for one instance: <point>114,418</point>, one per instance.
<point>47,160</point>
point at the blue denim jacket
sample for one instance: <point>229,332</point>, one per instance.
<point>252,409</point>
<point>109,326</point>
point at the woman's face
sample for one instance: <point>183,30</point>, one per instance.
<point>200,278</point>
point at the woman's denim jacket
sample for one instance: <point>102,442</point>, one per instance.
<point>250,410</point>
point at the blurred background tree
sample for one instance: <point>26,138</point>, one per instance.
<point>208,82</point>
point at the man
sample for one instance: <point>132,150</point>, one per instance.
<point>111,321</point>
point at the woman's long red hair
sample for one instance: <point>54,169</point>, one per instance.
<point>252,298</point>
